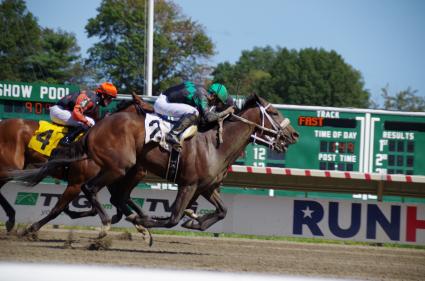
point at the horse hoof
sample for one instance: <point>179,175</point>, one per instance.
<point>10,225</point>
<point>191,224</point>
<point>104,230</point>
<point>146,234</point>
<point>28,233</point>
<point>133,218</point>
<point>22,232</point>
<point>191,214</point>
<point>115,219</point>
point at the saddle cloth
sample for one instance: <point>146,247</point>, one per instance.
<point>47,137</point>
<point>156,128</point>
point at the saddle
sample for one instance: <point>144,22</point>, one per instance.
<point>47,137</point>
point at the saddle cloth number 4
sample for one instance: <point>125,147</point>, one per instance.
<point>47,137</point>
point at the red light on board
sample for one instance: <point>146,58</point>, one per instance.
<point>310,121</point>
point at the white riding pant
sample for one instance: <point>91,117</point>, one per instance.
<point>64,117</point>
<point>174,110</point>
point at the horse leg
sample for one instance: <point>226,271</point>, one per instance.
<point>190,212</point>
<point>118,216</point>
<point>91,188</point>
<point>123,201</point>
<point>205,221</point>
<point>71,192</point>
<point>121,191</point>
<point>135,207</point>
<point>10,211</point>
<point>184,196</point>
<point>122,208</point>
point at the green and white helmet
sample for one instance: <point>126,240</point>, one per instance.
<point>219,90</point>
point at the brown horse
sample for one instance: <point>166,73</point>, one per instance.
<point>203,162</point>
<point>15,155</point>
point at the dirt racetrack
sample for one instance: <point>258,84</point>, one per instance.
<point>219,254</point>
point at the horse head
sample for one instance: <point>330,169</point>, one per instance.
<point>271,127</point>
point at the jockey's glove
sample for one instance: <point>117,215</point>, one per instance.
<point>212,116</point>
<point>229,110</point>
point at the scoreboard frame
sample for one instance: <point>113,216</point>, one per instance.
<point>373,128</point>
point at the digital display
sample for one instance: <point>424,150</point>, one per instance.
<point>329,140</point>
<point>27,107</point>
<point>337,156</point>
<point>15,109</point>
<point>34,109</point>
<point>398,145</point>
<point>310,121</point>
<point>326,122</point>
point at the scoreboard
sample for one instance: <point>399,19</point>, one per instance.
<point>398,144</point>
<point>343,139</point>
<point>30,101</point>
<point>329,140</point>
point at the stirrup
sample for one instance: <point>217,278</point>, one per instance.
<point>173,141</point>
<point>65,141</point>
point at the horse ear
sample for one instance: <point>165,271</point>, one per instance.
<point>256,96</point>
<point>135,96</point>
<point>259,99</point>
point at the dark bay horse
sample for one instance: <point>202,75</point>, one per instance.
<point>15,155</point>
<point>203,162</point>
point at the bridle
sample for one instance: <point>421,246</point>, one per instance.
<point>277,132</point>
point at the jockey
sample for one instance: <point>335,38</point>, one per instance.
<point>188,102</point>
<point>72,109</point>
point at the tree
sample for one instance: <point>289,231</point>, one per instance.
<point>309,77</point>
<point>179,44</point>
<point>243,77</point>
<point>30,53</point>
<point>405,100</point>
<point>20,40</point>
<point>58,56</point>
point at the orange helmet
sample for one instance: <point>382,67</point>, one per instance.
<point>107,88</point>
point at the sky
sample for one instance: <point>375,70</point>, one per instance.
<point>383,39</point>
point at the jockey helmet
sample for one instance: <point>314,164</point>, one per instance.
<point>220,91</point>
<point>107,88</point>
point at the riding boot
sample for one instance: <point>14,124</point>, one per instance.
<point>72,134</point>
<point>173,137</point>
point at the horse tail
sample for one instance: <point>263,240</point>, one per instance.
<point>61,157</point>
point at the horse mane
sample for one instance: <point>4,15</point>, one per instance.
<point>250,102</point>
